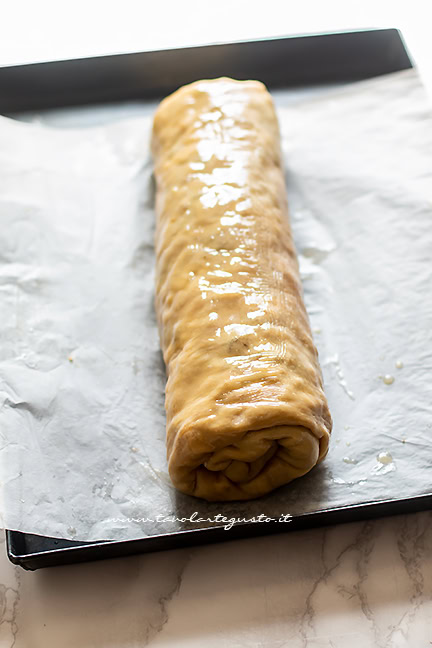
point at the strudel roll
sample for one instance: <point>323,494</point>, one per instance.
<point>246,411</point>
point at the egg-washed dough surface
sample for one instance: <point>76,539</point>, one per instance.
<point>246,411</point>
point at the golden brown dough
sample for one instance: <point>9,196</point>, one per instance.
<point>246,411</point>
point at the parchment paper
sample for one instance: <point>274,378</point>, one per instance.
<point>82,423</point>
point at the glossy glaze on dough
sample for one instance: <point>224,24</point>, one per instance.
<point>245,407</point>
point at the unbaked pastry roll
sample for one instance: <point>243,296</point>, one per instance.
<point>245,406</point>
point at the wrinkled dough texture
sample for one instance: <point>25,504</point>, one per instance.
<point>246,411</point>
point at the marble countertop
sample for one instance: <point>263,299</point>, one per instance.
<point>360,585</point>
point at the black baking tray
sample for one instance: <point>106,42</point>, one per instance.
<point>306,60</point>
<point>278,62</point>
<point>33,551</point>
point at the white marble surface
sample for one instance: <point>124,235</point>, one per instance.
<point>360,585</point>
